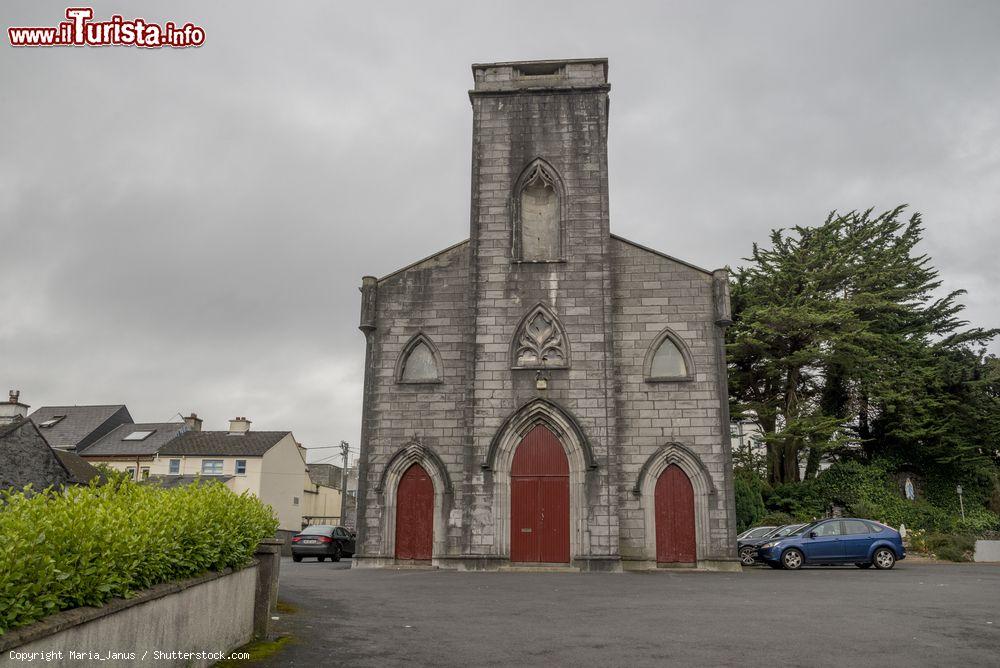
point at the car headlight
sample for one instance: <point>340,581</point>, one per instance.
<point>767,546</point>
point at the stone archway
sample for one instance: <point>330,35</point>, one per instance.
<point>413,452</point>
<point>500,458</point>
<point>703,489</point>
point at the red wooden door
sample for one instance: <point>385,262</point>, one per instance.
<point>539,500</point>
<point>674,503</point>
<point>415,514</point>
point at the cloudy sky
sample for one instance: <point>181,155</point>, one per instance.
<point>185,230</point>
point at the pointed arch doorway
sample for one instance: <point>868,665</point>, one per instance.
<point>675,522</point>
<point>415,514</point>
<point>539,500</point>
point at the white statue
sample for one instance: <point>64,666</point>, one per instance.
<point>908,487</point>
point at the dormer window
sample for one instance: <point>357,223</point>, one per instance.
<point>139,435</point>
<point>52,421</point>
<point>538,213</point>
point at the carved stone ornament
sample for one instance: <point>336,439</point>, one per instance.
<point>540,341</point>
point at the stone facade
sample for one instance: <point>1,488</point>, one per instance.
<point>544,317</point>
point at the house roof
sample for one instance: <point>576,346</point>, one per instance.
<point>115,442</point>
<point>224,443</point>
<point>25,458</point>
<point>76,423</point>
<point>79,470</point>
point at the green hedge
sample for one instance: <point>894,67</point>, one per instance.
<point>86,545</point>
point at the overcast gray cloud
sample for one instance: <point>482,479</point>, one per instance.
<point>185,230</point>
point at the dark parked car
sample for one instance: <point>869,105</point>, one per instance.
<point>322,541</point>
<point>747,545</point>
<point>836,541</point>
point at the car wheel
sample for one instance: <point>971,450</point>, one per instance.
<point>336,554</point>
<point>792,559</point>
<point>860,565</point>
<point>321,558</point>
<point>884,559</point>
<point>296,558</point>
<point>746,556</point>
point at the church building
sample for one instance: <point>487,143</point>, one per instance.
<point>545,392</point>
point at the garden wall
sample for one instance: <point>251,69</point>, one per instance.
<point>987,550</point>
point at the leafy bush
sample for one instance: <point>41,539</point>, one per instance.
<point>86,545</point>
<point>950,546</point>
<point>749,501</point>
<point>776,520</point>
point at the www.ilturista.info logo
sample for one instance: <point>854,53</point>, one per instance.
<point>79,30</point>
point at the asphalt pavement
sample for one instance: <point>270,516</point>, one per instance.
<point>919,614</point>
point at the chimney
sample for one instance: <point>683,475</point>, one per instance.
<point>193,422</point>
<point>239,425</point>
<point>13,409</point>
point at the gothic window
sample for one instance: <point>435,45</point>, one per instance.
<point>419,362</point>
<point>538,224</point>
<point>540,341</point>
<point>668,359</point>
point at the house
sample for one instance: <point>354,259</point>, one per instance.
<point>133,447</point>
<point>76,427</point>
<point>27,459</point>
<point>268,464</point>
<point>321,495</point>
<point>545,391</point>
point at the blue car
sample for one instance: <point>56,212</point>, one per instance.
<point>836,541</point>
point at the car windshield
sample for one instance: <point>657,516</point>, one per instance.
<point>759,532</point>
<point>320,529</point>
<point>789,530</point>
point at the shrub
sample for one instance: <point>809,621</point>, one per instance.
<point>776,520</point>
<point>950,546</point>
<point>86,545</point>
<point>749,502</point>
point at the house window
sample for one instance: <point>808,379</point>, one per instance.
<point>211,467</point>
<point>131,472</point>
<point>145,473</point>
<point>241,467</point>
<point>175,467</point>
<point>668,359</point>
<point>51,422</point>
<point>538,217</point>
<point>418,362</point>
<point>295,500</point>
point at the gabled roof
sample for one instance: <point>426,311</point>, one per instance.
<point>223,443</point>
<point>25,458</point>
<point>79,470</point>
<point>117,443</point>
<point>78,426</point>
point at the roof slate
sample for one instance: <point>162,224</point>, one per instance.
<point>80,423</point>
<point>223,443</point>
<point>79,470</point>
<point>113,443</point>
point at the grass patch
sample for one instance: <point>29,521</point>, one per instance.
<point>258,650</point>
<point>286,608</point>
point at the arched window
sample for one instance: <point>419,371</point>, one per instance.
<point>668,359</point>
<point>540,341</point>
<point>419,362</point>
<point>538,214</point>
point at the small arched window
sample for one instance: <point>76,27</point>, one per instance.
<point>538,214</point>
<point>419,362</point>
<point>668,359</point>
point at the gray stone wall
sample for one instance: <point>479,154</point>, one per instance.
<point>568,130</point>
<point>431,297</point>
<point>612,299</point>
<point>652,292</point>
<point>25,458</point>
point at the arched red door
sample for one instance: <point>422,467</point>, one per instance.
<point>674,503</point>
<point>539,500</point>
<point>415,514</point>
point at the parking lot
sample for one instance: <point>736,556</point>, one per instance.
<point>919,614</point>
